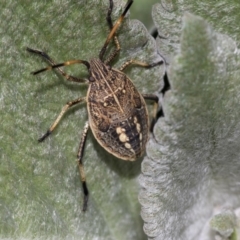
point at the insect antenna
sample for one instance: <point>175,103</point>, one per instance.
<point>114,29</point>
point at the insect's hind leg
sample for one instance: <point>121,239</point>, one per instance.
<point>80,165</point>
<point>156,107</point>
<point>46,57</point>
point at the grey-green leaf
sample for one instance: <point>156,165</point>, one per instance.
<point>224,223</point>
<point>192,167</point>
<point>167,16</point>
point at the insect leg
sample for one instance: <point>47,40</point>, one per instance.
<point>114,28</point>
<point>156,107</point>
<point>80,165</point>
<point>141,64</point>
<point>64,109</point>
<point>152,97</point>
<point>158,110</point>
<point>50,60</point>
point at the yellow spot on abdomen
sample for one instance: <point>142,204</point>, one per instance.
<point>123,137</point>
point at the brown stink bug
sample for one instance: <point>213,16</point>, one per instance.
<point>117,112</point>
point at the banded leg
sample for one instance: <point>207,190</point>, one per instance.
<point>80,165</point>
<point>114,28</point>
<point>46,57</point>
<point>115,39</point>
<point>64,109</point>
<point>140,64</point>
<point>154,98</point>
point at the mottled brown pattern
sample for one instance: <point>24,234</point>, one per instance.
<point>113,102</point>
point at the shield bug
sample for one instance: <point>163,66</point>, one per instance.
<point>117,112</point>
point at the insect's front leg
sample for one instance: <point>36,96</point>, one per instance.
<point>80,165</point>
<point>46,57</point>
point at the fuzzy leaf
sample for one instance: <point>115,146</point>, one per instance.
<point>40,189</point>
<point>167,16</point>
<point>224,223</point>
<point>192,167</point>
